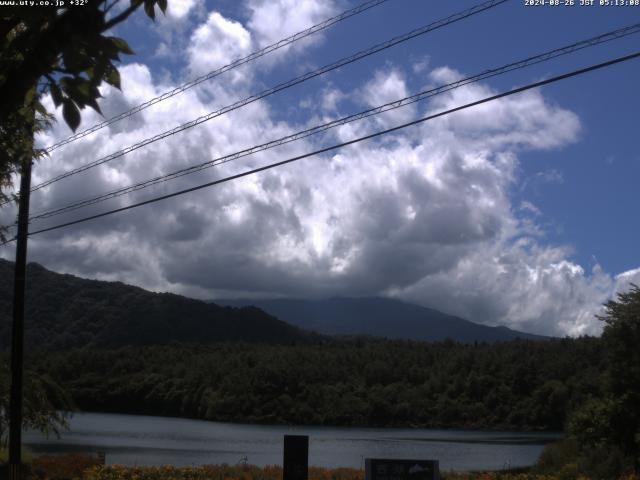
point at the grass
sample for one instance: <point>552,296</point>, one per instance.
<point>87,467</point>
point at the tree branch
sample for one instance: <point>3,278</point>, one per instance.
<point>120,18</point>
<point>109,7</point>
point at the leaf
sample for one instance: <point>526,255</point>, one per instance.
<point>96,73</point>
<point>71,114</point>
<point>40,109</point>
<point>163,5</point>
<point>149,8</point>
<point>105,48</point>
<point>76,60</point>
<point>31,95</point>
<point>75,89</point>
<point>83,88</point>
<point>65,83</point>
<point>121,45</point>
<point>56,94</point>
<point>112,76</point>
<point>91,101</point>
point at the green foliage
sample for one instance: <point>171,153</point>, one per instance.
<point>27,456</point>
<point>568,459</point>
<point>606,427</point>
<point>44,403</point>
<point>591,424</point>
<point>622,339</point>
<point>557,455</point>
<point>63,51</point>
<point>63,311</point>
<point>431,385</point>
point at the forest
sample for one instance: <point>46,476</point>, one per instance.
<point>109,347</point>
<point>511,385</point>
<point>65,311</point>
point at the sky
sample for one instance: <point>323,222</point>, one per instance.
<point>517,212</point>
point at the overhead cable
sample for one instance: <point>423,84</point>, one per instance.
<point>282,86</point>
<point>533,60</point>
<point>344,144</point>
<point>214,73</point>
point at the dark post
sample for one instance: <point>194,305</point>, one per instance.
<point>17,333</point>
<point>401,469</point>
<point>296,457</point>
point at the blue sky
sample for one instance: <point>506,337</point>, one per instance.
<point>589,183</point>
<point>519,212</point>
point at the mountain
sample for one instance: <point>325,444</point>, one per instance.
<point>65,311</point>
<point>380,317</point>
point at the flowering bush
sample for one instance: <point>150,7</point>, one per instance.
<point>58,467</point>
<point>81,467</point>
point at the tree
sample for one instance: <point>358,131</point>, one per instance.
<point>65,51</point>
<point>622,340</point>
<point>611,422</point>
<point>45,404</point>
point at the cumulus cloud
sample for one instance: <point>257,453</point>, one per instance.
<point>181,9</point>
<point>424,215</point>
<point>387,86</point>
<point>216,43</point>
<point>514,121</point>
<point>520,284</point>
<point>272,20</point>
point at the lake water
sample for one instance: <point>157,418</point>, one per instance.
<point>143,440</point>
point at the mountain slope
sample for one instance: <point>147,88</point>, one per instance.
<point>380,317</point>
<point>64,311</point>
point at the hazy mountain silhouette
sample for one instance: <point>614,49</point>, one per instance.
<point>380,317</point>
<point>65,311</point>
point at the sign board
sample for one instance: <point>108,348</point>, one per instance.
<point>295,462</point>
<point>401,469</point>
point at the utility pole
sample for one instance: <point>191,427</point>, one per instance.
<point>17,332</point>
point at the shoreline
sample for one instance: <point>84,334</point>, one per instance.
<point>395,426</point>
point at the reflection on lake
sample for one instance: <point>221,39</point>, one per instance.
<point>143,440</point>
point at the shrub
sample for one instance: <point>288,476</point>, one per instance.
<point>63,467</point>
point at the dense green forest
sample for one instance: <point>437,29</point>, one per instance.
<point>65,311</point>
<point>515,385</point>
<point>105,346</point>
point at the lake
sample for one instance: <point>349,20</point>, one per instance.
<point>144,440</point>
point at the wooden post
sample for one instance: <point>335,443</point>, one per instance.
<point>295,462</point>
<point>17,331</point>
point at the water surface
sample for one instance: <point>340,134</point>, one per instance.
<point>144,440</point>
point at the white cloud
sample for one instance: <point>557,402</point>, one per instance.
<point>216,43</point>
<point>425,215</point>
<point>387,86</point>
<point>331,98</point>
<point>516,121</point>
<point>273,20</point>
<point>530,207</point>
<point>181,9</point>
<point>421,65</point>
<point>520,284</point>
<point>624,280</point>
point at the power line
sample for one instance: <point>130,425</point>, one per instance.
<point>282,86</point>
<point>533,60</point>
<point>214,73</point>
<point>344,144</point>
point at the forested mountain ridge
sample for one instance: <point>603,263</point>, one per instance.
<point>65,311</point>
<point>379,317</point>
<point>367,382</point>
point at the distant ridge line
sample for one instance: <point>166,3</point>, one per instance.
<point>379,317</point>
